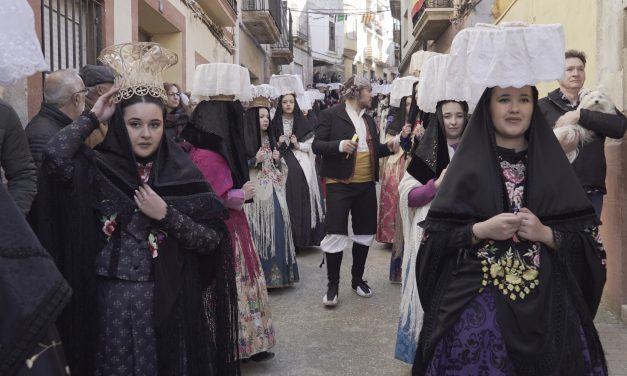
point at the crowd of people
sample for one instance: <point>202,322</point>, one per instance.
<point>143,226</point>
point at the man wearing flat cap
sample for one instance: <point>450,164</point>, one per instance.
<point>348,140</point>
<point>98,80</point>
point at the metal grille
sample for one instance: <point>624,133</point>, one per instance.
<point>285,40</point>
<point>71,32</point>
<point>273,6</point>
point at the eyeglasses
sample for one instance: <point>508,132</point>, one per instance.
<point>174,95</point>
<point>84,91</point>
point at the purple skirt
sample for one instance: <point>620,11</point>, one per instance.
<point>475,346</point>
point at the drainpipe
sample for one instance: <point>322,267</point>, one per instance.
<point>237,28</point>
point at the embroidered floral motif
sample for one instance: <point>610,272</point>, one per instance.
<point>515,271</point>
<point>596,235</point>
<point>155,239</point>
<point>109,224</point>
<point>144,171</point>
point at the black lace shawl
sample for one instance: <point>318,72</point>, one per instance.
<point>302,128</point>
<point>191,339</point>
<point>430,156</point>
<point>542,331</point>
<point>219,126</point>
<point>32,290</point>
<point>252,132</point>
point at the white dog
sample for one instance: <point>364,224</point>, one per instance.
<point>593,100</point>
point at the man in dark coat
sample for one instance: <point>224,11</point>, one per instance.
<point>16,160</point>
<point>348,141</point>
<point>560,106</point>
<point>64,95</point>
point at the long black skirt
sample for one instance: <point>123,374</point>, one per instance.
<point>299,205</point>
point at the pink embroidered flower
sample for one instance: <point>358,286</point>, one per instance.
<point>109,225</point>
<point>155,239</point>
<point>536,260</point>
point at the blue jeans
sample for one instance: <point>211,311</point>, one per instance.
<point>596,198</point>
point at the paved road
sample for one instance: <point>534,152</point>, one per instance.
<point>357,337</point>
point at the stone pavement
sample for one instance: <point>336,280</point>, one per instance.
<point>358,336</point>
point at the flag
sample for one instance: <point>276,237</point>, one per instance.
<point>367,18</point>
<point>341,17</point>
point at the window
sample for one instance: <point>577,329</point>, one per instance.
<point>372,75</point>
<point>354,69</point>
<point>71,32</point>
<point>331,35</point>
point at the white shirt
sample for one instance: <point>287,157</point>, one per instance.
<point>360,127</point>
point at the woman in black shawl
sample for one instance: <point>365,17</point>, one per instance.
<point>268,214</point>
<point>144,245</point>
<point>510,270</point>
<point>294,135</point>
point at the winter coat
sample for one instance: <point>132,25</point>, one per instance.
<point>590,165</point>
<point>45,125</point>
<point>16,160</point>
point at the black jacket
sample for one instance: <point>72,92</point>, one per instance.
<point>334,125</point>
<point>16,160</point>
<point>45,125</point>
<point>590,165</point>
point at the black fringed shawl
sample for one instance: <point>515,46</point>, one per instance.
<point>542,331</point>
<point>32,291</point>
<point>191,339</point>
<point>302,128</point>
<point>430,156</point>
<point>219,126</point>
<point>252,132</point>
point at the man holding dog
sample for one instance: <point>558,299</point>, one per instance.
<point>561,107</point>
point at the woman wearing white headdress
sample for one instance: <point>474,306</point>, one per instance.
<point>268,214</point>
<point>295,135</point>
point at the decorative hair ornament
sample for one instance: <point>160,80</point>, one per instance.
<point>222,81</point>
<point>512,54</point>
<point>354,85</point>
<point>418,59</point>
<point>138,68</point>
<point>287,84</point>
<point>434,86</point>
<point>262,95</point>
<point>401,87</point>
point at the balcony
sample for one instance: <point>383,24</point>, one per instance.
<point>283,50</point>
<point>222,12</point>
<point>380,59</point>
<point>368,53</point>
<point>395,8</point>
<point>432,18</point>
<point>301,37</point>
<point>262,18</point>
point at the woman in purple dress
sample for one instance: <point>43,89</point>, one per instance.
<point>510,269</point>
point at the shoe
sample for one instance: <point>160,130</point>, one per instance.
<point>362,289</point>
<point>262,356</point>
<point>331,297</point>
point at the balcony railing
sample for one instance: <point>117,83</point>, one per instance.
<point>233,4</point>
<point>263,19</point>
<point>283,50</point>
<point>432,19</point>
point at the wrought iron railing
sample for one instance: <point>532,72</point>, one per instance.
<point>285,40</point>
<point>272,6</point>
<point>430,4</point>
<point>233,4</point>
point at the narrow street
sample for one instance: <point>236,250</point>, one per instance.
<point>358,336</point>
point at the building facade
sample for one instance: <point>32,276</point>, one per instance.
<point>369,48</point>
<point>432,24</point>
<point>73,32</point>
<point>326,39</point>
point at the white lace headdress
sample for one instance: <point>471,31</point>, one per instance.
<point>20,51</point>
